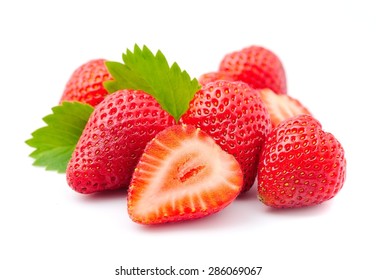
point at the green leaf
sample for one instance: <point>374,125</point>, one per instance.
<point>55,143</point>
<point>142,70</point>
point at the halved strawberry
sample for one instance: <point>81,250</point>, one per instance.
<point>281,106</point>
<point>183,174</point>
<point>215,76</point>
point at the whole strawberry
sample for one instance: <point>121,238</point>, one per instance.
<point>86,83</point>
<point>113,141</point>
<point>300,165</point>
<point>256,66</point>
<point>235,116</point>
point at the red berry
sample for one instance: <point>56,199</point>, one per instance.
<point>183,174</point>
<point>86,83</point>
<point>235,116</point>
<point>300,165</point>
<point>113,141</point>
<point>256,66</point>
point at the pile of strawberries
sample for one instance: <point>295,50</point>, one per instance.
<point>240,127</point>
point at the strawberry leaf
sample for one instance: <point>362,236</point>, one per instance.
<point>142,70</point>
<point>55,143</point>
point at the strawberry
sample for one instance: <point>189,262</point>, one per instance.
<point>235,116</point>
<point>215,76</point>
<point>300,165</point>
<point>86,83</point>
<point>183,174</point>
<point>256,66</point>
<point>113,141</point>
<point>281,106</point>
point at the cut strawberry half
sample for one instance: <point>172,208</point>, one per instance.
<point>281,106</point>
<point>183,174</point>
<point>215,76</point>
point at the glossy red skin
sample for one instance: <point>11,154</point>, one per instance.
<point>300,165</point>
<point>235,116</point>
<point>256,66</point>
<point>86,83</point>
<point>113,141</point>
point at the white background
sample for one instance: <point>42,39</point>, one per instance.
<point>50,232</point>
